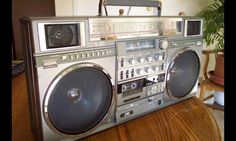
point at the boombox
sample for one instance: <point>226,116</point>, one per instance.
<point>87,74</point>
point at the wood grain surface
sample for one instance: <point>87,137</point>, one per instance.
<point>188,120</point>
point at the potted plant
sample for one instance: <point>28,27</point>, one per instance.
<point>213,29</point>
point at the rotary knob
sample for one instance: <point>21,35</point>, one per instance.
<point>156,56</point>
<point>131,61</point>
<point>140,60</point>
<point>155,68</point>
<point>163,44</point>
<point>139,71</point>
<point>148,70</point>
<point>149,58</point>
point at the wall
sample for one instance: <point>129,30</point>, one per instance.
<point>190,7</point>
<point>169,8</point>
<point>28,8</point>
<point>64,7</point>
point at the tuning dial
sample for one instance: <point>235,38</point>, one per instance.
<point>163,44</point>
<point>148,70</point>
<point>140,60</point>
<point>149,58</point>
<point>139,71</point>
<point>131,61</point>
<point>155,68</point>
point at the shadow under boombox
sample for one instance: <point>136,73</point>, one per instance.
<point>87,74</point>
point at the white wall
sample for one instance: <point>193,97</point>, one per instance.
<point>190,7</point>
<point>169,8</point>
<point>90,7</point>
<point>64,7</point>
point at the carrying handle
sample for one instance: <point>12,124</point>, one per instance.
<point>130,3</point>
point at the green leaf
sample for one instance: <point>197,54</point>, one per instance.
<point>213,28</point>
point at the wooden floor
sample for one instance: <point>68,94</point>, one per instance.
<point>20,112</point>
<point>186,121</point>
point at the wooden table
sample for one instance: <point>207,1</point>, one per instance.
<point>188,120</point>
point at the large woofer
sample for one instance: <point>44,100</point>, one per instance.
<point>79,101</point>
<point>182,74</point>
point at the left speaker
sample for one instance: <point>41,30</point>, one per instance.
<point>70,95</point>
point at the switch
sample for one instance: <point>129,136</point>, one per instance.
<point>132,73</point>
<point>121,75</point>
<point>126,114</point>
<point>122,62</point>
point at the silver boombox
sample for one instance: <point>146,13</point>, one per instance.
<point>87,74</point>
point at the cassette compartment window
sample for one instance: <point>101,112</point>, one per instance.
<point>62,35</point>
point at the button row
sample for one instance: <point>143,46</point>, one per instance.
<point>156,89</point>
<point>85,54</point>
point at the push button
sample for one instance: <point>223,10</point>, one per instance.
<point>63,57</point>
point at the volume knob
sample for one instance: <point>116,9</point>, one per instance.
<point>156,56</point>
<point>131,61</point>
<point>148,70</point>
<point>163,44</point>
<point>139,71</point>
<point>140,60</point>
<point>155,68</point>
<point>149,58</point>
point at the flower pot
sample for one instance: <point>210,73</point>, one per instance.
<point>219,97</point>
<point>217,76</point>
<point>219,67</point>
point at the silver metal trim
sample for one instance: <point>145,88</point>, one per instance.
<point>168,72</point>
<point>53,84</point>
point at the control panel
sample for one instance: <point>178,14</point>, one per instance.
<point>141,70</point>
<point>141,57</point>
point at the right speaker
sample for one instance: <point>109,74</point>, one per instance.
<point>183,69</point>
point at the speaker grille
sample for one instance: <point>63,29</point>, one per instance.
<point>80,100</point>
<point>61,35</point>
<point>183,74</point>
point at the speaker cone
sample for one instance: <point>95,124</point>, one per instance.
<point>80,100</point>
<point>61,35</point>
<point>183,74</point>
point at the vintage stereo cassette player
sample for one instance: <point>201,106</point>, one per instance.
<point>87,74</point>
